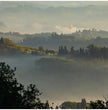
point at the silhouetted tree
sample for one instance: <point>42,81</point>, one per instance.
<point>83,104</point>
<point>13,94</point>
<point>72,50</point>
<point>81,52</point>
<point>47,105</point>
<point>65,50</point>
<point>98,104</point>
<point>61,50</point>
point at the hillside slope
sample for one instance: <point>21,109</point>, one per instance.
<point>8,47</point>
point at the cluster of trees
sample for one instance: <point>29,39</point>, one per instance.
<point>7,46</point>
<point>74,105</point>
<point>89,51</point>
<point>42,51</point>
<point>99,104</point>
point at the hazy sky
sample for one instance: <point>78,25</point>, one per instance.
<point>61,17</point>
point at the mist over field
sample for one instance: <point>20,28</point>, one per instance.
<point>62,79</point>
<point>62,47</point>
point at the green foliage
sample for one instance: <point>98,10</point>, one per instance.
<point>13,94</point>
<point>8,47</point>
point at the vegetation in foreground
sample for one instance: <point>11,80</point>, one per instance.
<point>14,95</point>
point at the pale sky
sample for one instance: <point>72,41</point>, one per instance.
<point>60,17</point>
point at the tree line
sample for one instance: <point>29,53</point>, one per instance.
<point>90,51</point>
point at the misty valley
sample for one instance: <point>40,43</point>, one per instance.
<point>61,77</point>
<point>61,74</point>
<point>53,55</point>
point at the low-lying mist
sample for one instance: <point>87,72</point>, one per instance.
<point>62,79</point>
